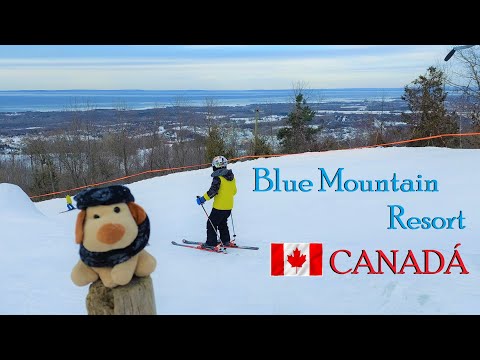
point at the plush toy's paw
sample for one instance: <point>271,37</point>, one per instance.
<point>146,264</point>
<point>109,283</point>
<point>82,275</point>
<point>123,273</point>
<point>106,277</point>
<point>122,277</point>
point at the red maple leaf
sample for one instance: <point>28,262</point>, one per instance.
<point>296,260</point>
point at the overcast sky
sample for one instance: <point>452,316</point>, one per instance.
<point>214,67</point>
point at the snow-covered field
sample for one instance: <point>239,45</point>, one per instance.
<point>37,249</point>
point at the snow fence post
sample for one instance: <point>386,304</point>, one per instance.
<point>135,298</point>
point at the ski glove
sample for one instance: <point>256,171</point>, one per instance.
<point>200,200</point>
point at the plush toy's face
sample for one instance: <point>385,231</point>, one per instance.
<point>108,227</point>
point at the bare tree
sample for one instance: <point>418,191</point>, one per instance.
<point>211,112</point>
<point>464,77</point>
<point>71,152</point>
<point>15,170</point>
<point>79,146</point>
<point>376,125</point>
<point>121,143</point>
<point>45,176</point>
<point>183,118</point>
<point>303,88</point>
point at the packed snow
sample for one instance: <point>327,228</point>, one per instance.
<point>37,248</point>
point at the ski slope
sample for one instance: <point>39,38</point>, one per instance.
<point>37,249</point>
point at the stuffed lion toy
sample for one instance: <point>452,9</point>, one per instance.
<point>112,231</point>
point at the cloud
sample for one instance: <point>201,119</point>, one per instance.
<point>381,67</point>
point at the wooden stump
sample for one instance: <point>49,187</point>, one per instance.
<point>135,298</point>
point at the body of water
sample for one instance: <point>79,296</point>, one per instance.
<point>57,100</point>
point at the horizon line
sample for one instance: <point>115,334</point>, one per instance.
<point>289,89</point>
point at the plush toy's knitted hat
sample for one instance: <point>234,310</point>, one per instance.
<point>103,196</point>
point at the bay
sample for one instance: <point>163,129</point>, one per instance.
<point>58,100</point>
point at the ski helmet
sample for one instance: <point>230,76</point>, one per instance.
<point>219,162</point>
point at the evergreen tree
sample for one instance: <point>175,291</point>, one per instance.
<point>215,145</point>
<point>298,136</point>
<point>260,146</point>
<point>428,115</point>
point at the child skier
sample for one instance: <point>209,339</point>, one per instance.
<point>69,202</point>
<point>223,188</point>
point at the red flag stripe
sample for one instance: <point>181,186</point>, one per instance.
<point>276,260</point>
<point>316,251</point>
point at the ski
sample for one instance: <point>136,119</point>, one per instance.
<point>232,247</point>
<point>61,212</point>
<point>224,251</point>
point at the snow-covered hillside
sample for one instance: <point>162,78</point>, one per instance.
<point>37,249</point>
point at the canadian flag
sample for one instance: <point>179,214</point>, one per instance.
<point>296,259</point>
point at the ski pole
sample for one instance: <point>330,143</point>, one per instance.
<point>208,217</point>
<point>233,226</point>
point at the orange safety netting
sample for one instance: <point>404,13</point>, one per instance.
<point>247,157</point>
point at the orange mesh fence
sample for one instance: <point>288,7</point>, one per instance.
<point>119,179</point>
<point>246,157</point>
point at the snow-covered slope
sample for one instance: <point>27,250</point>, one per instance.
<point>36,255</point>
<point>14,202</point>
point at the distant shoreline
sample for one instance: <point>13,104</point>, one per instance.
<point>194,90</point>
<point>111,109</point>
<point>17,101</point>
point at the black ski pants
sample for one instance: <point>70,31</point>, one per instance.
<point>219,220</point>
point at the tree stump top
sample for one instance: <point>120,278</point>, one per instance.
<point>135,298</point>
